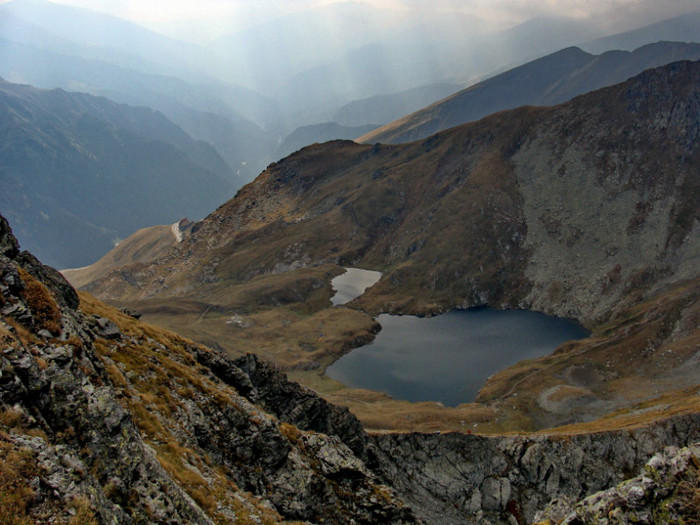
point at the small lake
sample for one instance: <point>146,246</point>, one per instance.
<point>352,284</point>
<point>448,358</point>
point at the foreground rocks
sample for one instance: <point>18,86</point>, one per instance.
<point>457,478</point>
<point>667,492</point>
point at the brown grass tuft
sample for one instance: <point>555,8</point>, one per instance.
<point>689,491</point>
<point>17,467</point>
<point>43,307</point>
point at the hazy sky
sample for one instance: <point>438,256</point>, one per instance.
<point>183,18</point>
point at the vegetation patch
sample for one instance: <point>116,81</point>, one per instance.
<point>17,467</point>
<point>42,304</point>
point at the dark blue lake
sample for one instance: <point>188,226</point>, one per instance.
<point>448,358</point>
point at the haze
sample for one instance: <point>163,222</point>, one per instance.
<point>203,20</point>
<point>282,64</point>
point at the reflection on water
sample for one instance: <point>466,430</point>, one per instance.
<point>352,284</point>
<point>449,357</point>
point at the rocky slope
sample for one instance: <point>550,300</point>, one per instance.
<point>106,420</point>
<point>480,214</point>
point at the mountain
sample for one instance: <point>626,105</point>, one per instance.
<point>546,81</point>
<point>585,210</point>
<point>93,35</point>
<point>382,109</point>
<point>49,45</point>
<point>104,419</point>
<point>314,133</point>
<point>683,28</point>
<point>80,172</point>
<point>202,111</point>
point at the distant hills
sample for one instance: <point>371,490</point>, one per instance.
<point>685,28</point>
<point>546,81</point>
<point>50,45</point>
<point>348,63</point>
<point>79,172</point>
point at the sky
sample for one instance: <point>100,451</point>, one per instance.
<point>185,18</point>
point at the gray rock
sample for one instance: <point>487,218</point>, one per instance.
<point>106,328</point>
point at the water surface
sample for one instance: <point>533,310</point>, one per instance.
<point>448,358</point>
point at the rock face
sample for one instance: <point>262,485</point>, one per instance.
<point>666,492</point>
<point>457,478</point>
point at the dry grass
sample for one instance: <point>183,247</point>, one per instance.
<point>689,495</point>
<point>84,514</point>
<point>291,339</point>
<point>25,336</point>
<point>379,412</point>
<point>17,466</point>
<point>670,404</point>
<point>42,304</point>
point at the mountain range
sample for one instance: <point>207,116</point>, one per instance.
<point>245,92</point>
<point>478,214</point>
<point>79,173</point>
<point>549,80</point>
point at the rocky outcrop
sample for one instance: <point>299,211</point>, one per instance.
<point>463,479</point>
<point>61,409</point>
<point>667,492</point>
<point>300,406</point>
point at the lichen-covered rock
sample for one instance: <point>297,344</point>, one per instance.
<point>462,479</point>
<point>666,493</point>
